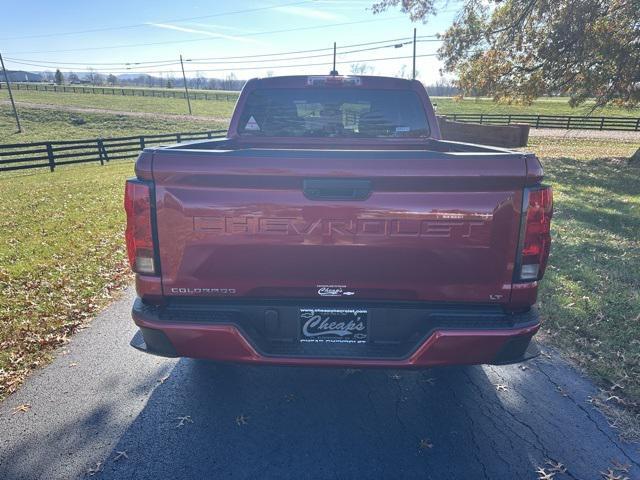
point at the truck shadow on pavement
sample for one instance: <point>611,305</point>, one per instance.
<point>223,421</point>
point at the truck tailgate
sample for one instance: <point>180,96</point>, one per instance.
<point>359,224</point>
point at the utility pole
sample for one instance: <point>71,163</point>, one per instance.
<point>186,90</point>
<point>414,54</point>
<point>334,71</point>
<point>13,104</point>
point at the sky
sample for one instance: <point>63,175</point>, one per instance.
<point>120,35</point>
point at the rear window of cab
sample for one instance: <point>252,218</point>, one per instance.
<point>333,112</point>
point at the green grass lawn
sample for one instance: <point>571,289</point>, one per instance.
<point>62,257</point>
<point>590,296</point>
<point>223,108</point>
<point>205,108</point>
<point>44,125</point>
<point>542,106</point>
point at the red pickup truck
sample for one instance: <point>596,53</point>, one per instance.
<point>333,226</point>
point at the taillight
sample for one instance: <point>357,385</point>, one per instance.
<point>139,234</point>
<point>333,81</point>
<point>535,239</point>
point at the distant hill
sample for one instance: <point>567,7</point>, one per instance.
<point>22,76</point>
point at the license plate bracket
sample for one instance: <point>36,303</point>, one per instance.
<point>334,325</point>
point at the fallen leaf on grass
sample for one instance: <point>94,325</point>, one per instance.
<point>615,386</point>
<point>25,407</point>
<point>242,420</point>
<point>615,398</point>
<point>183,421</point>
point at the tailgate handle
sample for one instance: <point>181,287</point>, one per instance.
<point>336,189</point>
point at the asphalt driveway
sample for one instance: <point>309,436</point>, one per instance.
<point>104,410</point>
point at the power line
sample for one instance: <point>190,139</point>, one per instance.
<point>393,45</point>
<point>175,20</point>
<point>271,67</point>
<point>403,40</point>
<point>271,32</point>
<point>317,64</point>
<point>168,64</point>
<point>56,63</point>
<point>90,67</point>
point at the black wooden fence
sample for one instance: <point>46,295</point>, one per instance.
<point>131,92</point>
<point>566,122</point>
<point>22,156</point>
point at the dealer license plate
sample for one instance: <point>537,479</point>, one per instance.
<point>328,325</point>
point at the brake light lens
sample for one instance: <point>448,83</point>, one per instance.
<point>139,236</point>
<point>536,241</point>
<point>333,80</point>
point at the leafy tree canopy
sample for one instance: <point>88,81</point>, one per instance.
<point>517,50</point>
<point>59,78</point>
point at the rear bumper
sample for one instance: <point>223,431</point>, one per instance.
<point>236,333</point>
